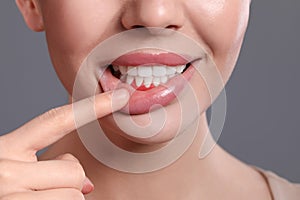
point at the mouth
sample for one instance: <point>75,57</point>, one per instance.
<point>151,79</point>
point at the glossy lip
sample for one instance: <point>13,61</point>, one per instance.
<point>137,59</point>
<point>141,102</point>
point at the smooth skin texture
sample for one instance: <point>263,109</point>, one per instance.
<point>22,176</point>
<point>73,28</point>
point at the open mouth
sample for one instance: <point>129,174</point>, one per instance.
<point>152,79</point>
<point>144,78</point>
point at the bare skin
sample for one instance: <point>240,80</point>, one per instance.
<point>60,178</point>
<point>218,176</point>
<point>72,30</point>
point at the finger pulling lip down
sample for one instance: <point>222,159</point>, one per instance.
<point>151,79</point>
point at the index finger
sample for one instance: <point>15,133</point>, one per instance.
<point>58,122</point>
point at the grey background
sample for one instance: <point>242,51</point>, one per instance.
<point>262,126</point>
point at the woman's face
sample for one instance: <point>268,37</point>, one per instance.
<point>74,27</point>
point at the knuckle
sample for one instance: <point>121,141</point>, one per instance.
<point>56,116</point>
<point>78,172</point>
<point>5,172</point>
<point>5,177</point>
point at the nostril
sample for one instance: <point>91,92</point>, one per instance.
<point>138,26</point>
<point>174,27</point>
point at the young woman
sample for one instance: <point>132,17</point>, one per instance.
<point>69,169</point>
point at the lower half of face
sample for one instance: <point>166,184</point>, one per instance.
<point>74,28</point>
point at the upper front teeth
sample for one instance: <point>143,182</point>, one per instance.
<point>148,75</point>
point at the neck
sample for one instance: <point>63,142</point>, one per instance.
<point>188,176</point>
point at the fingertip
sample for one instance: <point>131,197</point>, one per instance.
<point>120,98</point>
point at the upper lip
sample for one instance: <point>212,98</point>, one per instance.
<point>145,58</point>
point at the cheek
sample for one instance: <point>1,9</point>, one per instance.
<point>73,29</point>
<point>221,24</point>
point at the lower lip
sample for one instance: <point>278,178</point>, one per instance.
<point>141,102</point>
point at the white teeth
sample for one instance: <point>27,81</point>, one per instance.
<point>129,79</point>
<point>148,75</point>
<point>156,81</point>
<point>144,71</point>
<point>132,71</point>
<point>170,70</point>
<point>138,81</point>
<point>159,71</point>
<point>148,81</point>
<point>180,69</point>
<point>164,79</point>
<point>147,71</point>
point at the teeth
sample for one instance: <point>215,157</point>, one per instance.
<point>148,75</point>
<point>170,70</point>
<point>129,79</point>
<point>132,71</point>
<point>147,71</point>
<point>144,71</point>
<point>164,79</point>
<point>148,81</point>
<point>138,81</point>
<point>156,81</point>
<point>159,71</point>
<point>180,69</point>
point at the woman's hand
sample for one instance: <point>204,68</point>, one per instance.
<point>23,177</point>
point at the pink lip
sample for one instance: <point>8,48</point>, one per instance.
<point>141,101</point>
<point>136,59</point>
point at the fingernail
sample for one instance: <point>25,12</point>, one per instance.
<point>88,186</point>
<point>120,98</point>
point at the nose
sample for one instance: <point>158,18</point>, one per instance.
<point>153,13</point>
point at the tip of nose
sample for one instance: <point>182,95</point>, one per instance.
<point>153,14</point>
